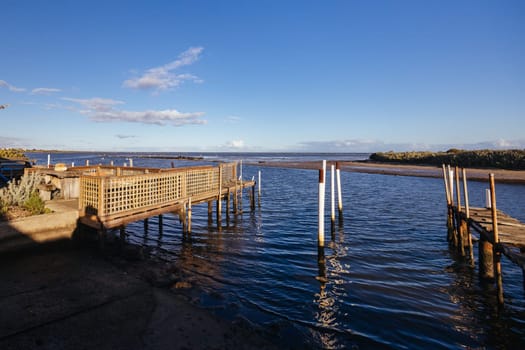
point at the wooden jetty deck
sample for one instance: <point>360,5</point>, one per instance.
<point>112,196</point>
<point>499,233</point>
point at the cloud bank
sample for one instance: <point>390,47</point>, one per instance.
<point>44,91</point>
<point>370,146</point>
<point>10,87</point>
<point>103,110</point>
<point>163,77</point>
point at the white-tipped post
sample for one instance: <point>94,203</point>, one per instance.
<point>332,197</point>
<point>339,194</point>
<point>259,184</point>
<point>48,160</point>
<point>488,202</point>
<point>321,208</point>
<point>324,171</point>
<point>451,182</point>
<point>131,162</point>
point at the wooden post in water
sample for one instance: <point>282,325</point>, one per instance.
<point>459,220</point>
<point>452,216</point>
<point>210,212</point>
<point>259,188</point>
<point>183,218</point>
<point>485,256</point>
<point>189,215</point>
<point>321,208</point>
<point>228,204</point>
<point>131,162</point>
<point>146,226</point>
<point>339,194</point>
<point>496,253</point>
<point>332,197</point>
<point>252,198</point>
<point>219,214</point>
<point>467,215</point>
<point>235,199</point>
<point>450,220</point>
<point>122,233</point>
<point>49,160</point>
<point>161,226</point>
<point>87,162</point>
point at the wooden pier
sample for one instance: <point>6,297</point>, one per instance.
<point>499,233</point>
<point>113,197</point>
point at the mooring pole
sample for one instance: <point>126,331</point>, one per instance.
<point>339,194</point>
<point>332,197</point>
<point>496,252</point>
<point>321,208</point>
<point>161,226</point>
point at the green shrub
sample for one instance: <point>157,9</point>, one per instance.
<point>18,192</point>
<point>35,205</point>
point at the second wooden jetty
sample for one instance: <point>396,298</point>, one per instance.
<point>499,233</point>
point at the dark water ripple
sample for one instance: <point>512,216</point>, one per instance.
<point>386,278</point>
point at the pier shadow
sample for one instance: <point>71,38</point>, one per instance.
<point>479,313</point>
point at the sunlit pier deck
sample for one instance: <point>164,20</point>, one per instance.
<point>116,196</point>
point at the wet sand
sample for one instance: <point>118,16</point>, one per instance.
<point>500,175</point>
<point>64,297</point>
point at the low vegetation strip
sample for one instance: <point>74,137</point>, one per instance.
<point>500,159</point>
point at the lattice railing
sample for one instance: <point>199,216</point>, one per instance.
<point>103,193</point>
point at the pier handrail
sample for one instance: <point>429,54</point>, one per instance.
<point>111,192</point>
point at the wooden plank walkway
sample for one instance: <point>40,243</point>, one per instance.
<point>499,233</point>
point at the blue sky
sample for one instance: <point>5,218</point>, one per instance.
<point>336,76</point>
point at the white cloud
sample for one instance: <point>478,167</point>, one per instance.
<point>103,110</point>
<point>162,77</point>
<point>235,144</point>
<point>164,117</point>
<point>121,136</point>
<point>12,88</point>
<point>44,91</point>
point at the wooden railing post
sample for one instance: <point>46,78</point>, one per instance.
<point>467,219</point>
<point>459,226</point>
<point>219,199</point>
<point>496,252</point>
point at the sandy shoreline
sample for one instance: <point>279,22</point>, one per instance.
<point>501,175</point>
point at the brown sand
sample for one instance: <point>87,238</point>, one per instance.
<point>501,175</point>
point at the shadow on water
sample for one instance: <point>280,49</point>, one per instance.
<point>479,314</point>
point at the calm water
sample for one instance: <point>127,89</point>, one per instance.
<point>386,278</point>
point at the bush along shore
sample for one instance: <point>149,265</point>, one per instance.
<point>500,159</point>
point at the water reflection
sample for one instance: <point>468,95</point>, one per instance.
<point>331,292</point>
<point>479,309</point>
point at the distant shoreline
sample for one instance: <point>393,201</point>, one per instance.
<point>370,167</point>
